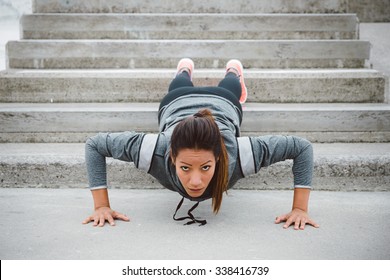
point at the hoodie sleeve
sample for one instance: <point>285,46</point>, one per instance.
<point>126,146</point>
<point>258,152</point>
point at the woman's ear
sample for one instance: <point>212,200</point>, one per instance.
<point>172,158</point>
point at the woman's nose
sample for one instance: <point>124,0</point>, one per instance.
<point>195,179</point>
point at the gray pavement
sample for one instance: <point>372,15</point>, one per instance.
<point>46,224</point>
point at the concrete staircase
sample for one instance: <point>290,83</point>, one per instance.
<point>103,65</point>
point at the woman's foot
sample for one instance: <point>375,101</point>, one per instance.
<point>187,65</point>
<point>235,66</point>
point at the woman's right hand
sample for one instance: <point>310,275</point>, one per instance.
<point>103,214</point>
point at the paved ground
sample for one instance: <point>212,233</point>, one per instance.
<point>46,224</point>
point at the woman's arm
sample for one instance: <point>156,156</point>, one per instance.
<point>124,146</point>
<point>271,149</point>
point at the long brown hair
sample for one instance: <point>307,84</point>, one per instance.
<point>201,132</point>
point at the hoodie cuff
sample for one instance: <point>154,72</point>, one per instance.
<point>301,187</point>
<point>98,188</point>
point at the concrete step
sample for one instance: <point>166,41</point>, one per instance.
<point>73,122</point>
<point>150,85</point>
<point>44,54</point>
<point>180,6</point>
<point>189,26</point>
<point>338,166</point>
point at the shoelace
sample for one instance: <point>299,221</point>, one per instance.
<point>190,216</point>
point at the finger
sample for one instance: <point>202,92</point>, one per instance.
<point>288,223</point>
<point>314,224</point>
<point>87,220</point>
<point>120,216</point>
<point>110,220</point>
<point>303,223</point>
<point>280,219</point>
<point>95,221</point>
<point>102,220</point>
<point>297,223</point>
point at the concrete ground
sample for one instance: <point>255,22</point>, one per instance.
<point>46,224</point>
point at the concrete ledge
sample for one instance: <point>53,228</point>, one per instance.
<point>59,54</point>
<point>180,6</point>
<point>150,85</point>
<point>189,26</point>
<point>315,137</point>
<point>338,167</point>
<point>59,118</point>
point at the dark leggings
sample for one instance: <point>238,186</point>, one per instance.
<point>228,88</point>
<point>231,82</point>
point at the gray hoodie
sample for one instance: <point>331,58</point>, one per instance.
<point>150,152</point>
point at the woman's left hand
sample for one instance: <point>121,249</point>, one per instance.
<point>297,217</point>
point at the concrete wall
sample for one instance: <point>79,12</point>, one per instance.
<point>11,10</point>
<point>370,10</point>
<point>367,10</point>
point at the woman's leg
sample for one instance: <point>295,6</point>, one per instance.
<point>231,82</point>
<point>183,79</point>
<point>179,86</point>
<point>234,80</point>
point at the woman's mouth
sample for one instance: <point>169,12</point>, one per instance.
<point>195,191</point>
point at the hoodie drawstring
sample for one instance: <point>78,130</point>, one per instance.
<point>190,216</point>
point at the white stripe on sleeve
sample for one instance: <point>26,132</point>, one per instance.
<point>146,152</point>
<point>246,156</point>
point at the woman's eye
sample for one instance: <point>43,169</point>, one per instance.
<point>184,168</point>
<point>205,168</point>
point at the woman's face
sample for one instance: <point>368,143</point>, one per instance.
<point>195,169</point>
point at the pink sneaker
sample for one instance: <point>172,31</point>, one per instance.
<point>236,67</point>
<point>185,64</point>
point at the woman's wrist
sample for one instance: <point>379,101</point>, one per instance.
<point>301,199</point>
<point>100,198</point>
